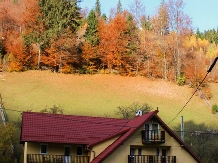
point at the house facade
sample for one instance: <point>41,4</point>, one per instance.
<point>57,138</point>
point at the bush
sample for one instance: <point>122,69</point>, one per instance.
<point>181,80</point>
<point>214,108</point>
<point>129,112</point>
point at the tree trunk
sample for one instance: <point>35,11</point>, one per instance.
<point>39,57</point>
<point>165,66</point>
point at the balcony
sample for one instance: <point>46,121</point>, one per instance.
<point>153,136</point>
<point>41,158</point>
<point>151,159</point>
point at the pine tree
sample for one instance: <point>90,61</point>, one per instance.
<point>59,15</point>
<point>91,34</point>
<point>119,7</point>
<point>98,8</point>
<point>131,32</point>
<point>57,18</point>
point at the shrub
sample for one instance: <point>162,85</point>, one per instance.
<point>181,80</point>
<point>214,108</point>
<point>129,112</point>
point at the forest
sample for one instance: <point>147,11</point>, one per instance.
<point>60,36</point>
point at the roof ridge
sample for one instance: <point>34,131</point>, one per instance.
<point>66,115</point>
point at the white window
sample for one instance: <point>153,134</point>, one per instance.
<point>43,148</point>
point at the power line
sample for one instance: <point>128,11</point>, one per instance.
<point>208,71</point>
<point>14,110</point>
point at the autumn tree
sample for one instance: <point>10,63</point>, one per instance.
<point>113,42</point>
<point>180,24</point>
<point>8,24</point>
<point>160,24</point>
<point>56,18</point>
<point>137,9</point>
<point>62,54</point>
<point>6,138</point>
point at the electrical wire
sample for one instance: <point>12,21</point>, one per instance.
<point>13,110</point>
<point>208,71</point>
<point>189,99</point>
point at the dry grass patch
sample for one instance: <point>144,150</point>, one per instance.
<point>99,95</point>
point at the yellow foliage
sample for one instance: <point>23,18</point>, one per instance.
<point>212,51</point>
<point>190,42</point>
<point>14,64</point>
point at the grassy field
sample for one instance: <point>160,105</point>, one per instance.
<point>100,95</point>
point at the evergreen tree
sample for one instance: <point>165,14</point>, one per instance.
<point>56,17</point>
<point>91,34</point>
<point>98,8</point>
<point>59,15</point>
<point>104,17</point>
<point>199,34</point>
<point>119,7</point>
<point>131,32</point>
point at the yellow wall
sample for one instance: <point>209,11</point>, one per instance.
<point>171,145</point>
<point>53,149</point>
<point>97,149</point>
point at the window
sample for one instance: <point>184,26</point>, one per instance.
<point>132,151</point>
<point>155,127</point>
<point>43,149</point>
<point>79,151</point>
<point>67,151</point>
<point>139,151</point>
<point>158,152</point>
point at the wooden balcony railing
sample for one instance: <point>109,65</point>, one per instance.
<point>151,159</point>
<point>153,136</point>
<point>43,158</point>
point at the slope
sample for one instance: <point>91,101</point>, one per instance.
<point>100,95</point>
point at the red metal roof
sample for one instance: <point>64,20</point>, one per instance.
<point>59,128</point>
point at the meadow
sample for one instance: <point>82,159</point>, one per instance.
<point>101,94</point>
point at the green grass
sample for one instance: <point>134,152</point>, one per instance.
<point>100,95</point>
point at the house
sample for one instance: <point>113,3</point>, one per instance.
<point>58,138</point>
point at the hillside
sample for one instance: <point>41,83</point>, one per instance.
<point>100,95</point>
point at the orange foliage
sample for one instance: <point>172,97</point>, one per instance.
<point>113,42</point>
<point>16,50</point>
